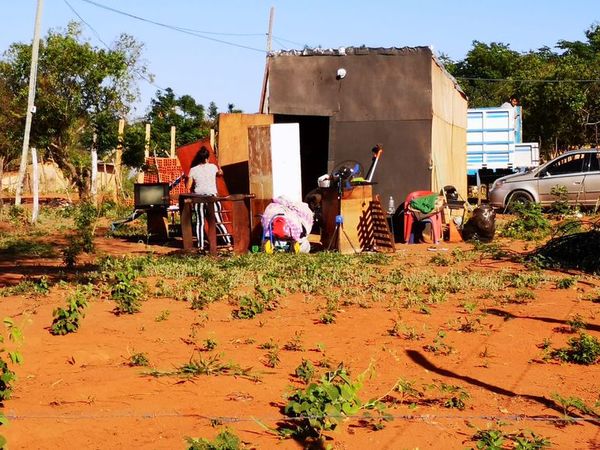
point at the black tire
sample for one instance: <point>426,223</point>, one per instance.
<point>518,197</point>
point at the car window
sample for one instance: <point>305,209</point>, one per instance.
<point>594,162</point>
<point>568,164</point>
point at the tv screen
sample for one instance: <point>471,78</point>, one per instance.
<point>150,195</point>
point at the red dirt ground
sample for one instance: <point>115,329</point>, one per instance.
<point>77,391</point>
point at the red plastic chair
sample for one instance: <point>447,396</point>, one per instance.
<point>409,219</point>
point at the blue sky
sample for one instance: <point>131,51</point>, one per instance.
<point>214,71</point>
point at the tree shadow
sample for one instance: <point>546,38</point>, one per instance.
<point>421,360</point>
<point>561,323</point>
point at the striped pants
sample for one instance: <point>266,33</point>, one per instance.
<point>221,229</point>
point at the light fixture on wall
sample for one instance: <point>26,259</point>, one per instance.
<point>341,73</point>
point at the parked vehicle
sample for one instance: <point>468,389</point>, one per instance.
<point>577,170</point>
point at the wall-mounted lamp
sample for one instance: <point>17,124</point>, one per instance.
<point>341,73</point>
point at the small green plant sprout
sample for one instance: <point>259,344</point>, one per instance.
<point>305,371</point>
<point>439,346</point>
<point>407,390</point>
<point>470,325</point>
<point>528,440</point>
<point>249,307</point>
<point>323,405</point>
<point>560,205</point>
<point>455,396</point>
<point>570,404</point>
<point>209,345</point>
<point>67,320</point>
<point>470,307</point>
<point>492,439</point>
<point>164,315</point>
<point>440,260</point>
<point>212,365</point>
<point>566,282</point>
<point>225,440</point>
<point>272,357</point>
<point>9,357</point>
<point>295,344</point>
<point>327,318</point>
<point>270,344</point>
<point>127,292</point>
<point>576,323</point>
<point>583,349</point>
<point>139,360</point>
<point>522,295</point>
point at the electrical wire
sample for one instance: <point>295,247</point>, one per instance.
<point>523,80</point>
<point>137,71</point>
<point>199,34</point>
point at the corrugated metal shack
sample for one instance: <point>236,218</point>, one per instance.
<point>402,98</point>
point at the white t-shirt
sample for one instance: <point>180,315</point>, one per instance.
<point>204,176</point>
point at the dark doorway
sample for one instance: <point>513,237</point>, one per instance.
<point>314,147</point>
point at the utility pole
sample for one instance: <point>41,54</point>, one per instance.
<point>266,74</point>
<point>270,33</point>
<point>30,99</point>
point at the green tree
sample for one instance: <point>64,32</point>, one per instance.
<point>168,110</point>
<point>554,87</point>
<point>81,90</point>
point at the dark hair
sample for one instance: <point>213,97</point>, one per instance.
<point>201,157</point>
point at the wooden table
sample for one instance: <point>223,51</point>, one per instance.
<point>238,225</point>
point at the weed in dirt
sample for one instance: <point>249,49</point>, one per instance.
<point>577,323</point>
<point>407,390</point>
<point>462,255</point>
<point>139,360</point>
<point>529,223</point>
<point>437,297</point>
<point>225,440</point>
<point>469,307</point>
<point>439,260</point>
<point>523,295</point>
<point>209,345</point>
<point>82,240</point>
<point>272,357</point>
<point>584,349</point>
<point>566,283</point>
<point>470,325</point>
<point>211,365</point>
<point>164,315</point>
<point>127,292</point>
<point>36,287</point>
<point>9,357</point>
<point>305,371</point>
<point>270,344</point>
<point>406,332</point>
<point>439,346</point>
<point>490,250</point>
<point>25,246</point>
<point>521,280</point>
<point>323,405</point>
<point>496,439</point>
<point>67,320</point>
<point>571,404</point>
<point>327,318</point>
<point>452,396</point>
<point>249,307</point>
<point>295,343</point>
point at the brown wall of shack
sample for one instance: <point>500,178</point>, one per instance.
<point>385,98</point>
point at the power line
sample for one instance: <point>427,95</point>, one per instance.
<point>523,80</point>
<point>174,28</point>
<point>137,71</point>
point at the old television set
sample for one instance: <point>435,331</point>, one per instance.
<point>151,195</point>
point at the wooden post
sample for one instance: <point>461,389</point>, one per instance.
<point>94,177</point>
<point>173,142</point>
<point>36,186</point>
<point>118,158</point>
<point>147,142</point>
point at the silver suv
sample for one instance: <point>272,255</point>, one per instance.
<point>577,170</point>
